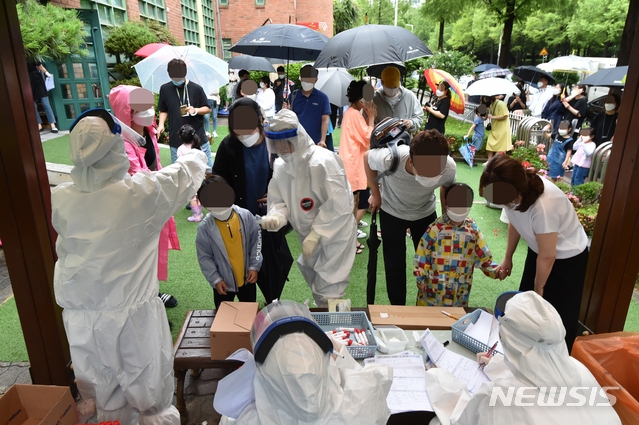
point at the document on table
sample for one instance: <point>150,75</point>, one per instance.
<point>461,367</point>
<point>408,392</point>
<point>486,330</point>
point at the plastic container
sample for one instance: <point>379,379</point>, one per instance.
<point>394,338</point>
<point>351,319</point>
<point>466,341</point>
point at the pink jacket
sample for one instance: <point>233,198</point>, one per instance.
<point>119,99</point>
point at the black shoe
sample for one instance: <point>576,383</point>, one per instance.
<point>168,300</point>
<point>54,130</point>
<point>188,206</point>
<point>170,325</point>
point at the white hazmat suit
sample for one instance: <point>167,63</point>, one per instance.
<point>535,365</point>
<point>298,383</point>
<point>108,226</point>
<point>309,189</point>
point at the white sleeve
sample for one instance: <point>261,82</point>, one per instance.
<point>545,217</point>
<point>448,395</point>
<point>380,159</point>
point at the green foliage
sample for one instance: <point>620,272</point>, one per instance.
<point>530,157</point>
<point>454,62</point>
<point>128,38</point>
<point>345,15</point>
<point>565,187</point>
<point>50,32</point>
<point>161,32</point>
<point>223,93</point>
<point>133,81</point>
<point>588,218</point>
<point>589,193</point>
<point>597,22</point>
<point>566,77</point>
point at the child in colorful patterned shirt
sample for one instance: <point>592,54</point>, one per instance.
<point>449,251</point>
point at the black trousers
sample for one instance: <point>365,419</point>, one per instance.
<point>563,288</point>
<point>246,293</point>
<point>394,250</point>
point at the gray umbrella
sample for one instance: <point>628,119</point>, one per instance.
<point>282,41</point>
<point>251,63</point>
<point>368,45</point>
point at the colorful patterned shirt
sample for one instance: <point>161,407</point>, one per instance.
<point>445,259</point>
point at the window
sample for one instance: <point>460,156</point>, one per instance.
<point>209,27</point>
<point>190,22</point>
<point>111,12</point>
<point>223,3</point>
<point>260,3</point>
<point>152,9</point>
<point>226,45</point>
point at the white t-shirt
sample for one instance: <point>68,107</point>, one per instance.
<point>402,196</point>
<point>551,213</point>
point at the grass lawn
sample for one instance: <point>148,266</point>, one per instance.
<point>193,292</point>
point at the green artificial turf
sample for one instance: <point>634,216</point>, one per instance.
<point>188,285</point>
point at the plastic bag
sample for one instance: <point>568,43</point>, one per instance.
<point>613,359</point>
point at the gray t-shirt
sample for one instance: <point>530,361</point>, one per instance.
<point>402,196</point>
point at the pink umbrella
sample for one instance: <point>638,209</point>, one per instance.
<point>149,49</point>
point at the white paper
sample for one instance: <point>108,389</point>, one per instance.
<point>383,315</point>
<point>408,392</point>
<point>485,330</point>
<point>461,367</point>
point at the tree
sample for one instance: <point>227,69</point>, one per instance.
<point>597,23</point>
<point>454,62</point>
<point>442,12</point>
<point>345,15</point>
<point>50,32</point>
<point>628,36</point>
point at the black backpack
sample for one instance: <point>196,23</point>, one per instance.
<point>389,133</point>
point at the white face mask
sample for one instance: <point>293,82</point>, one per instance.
<point>426,181</point>
<point>585,138</point>
<point>439,93</point>
<point>221,213</point>
<point>263,85</point>
<point>249,140</point>
<point>556,91</point>
<point>391,92</point>
<point>458,214</point>
<point>306,86</point>
<point>144,118</point>
<point>562,132</point>
<point>281,76</point>
<point>609,106</point>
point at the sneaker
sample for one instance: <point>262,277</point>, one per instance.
<point>208,135</point>
<point>195,218</point>
<point>215,134</point>
<point>54,130</point>
<point>362,223</point>
<point>360,234</point>
<point>168,300</point>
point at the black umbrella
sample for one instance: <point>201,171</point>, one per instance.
<point>484,67</point>
<point>277,262</point>
<point>611,77</point>
<point>373,243</point>
<point>368,45</point>
<point>376,70</point>
<point>251,63</point>
<point>282,41</point>
<point>532,74</point>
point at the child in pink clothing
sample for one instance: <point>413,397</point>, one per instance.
<point>584,147</point>
<point>190,140</point>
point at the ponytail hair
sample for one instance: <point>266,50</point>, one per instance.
<point>189,136</point>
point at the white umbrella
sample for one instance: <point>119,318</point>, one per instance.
<point>202,67</point>
<point>491,87</point>
<point>568,64</point>
<point>334,82</point>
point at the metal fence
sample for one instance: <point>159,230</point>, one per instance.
<point>599,163</point>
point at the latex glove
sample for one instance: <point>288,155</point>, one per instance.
<point>482,359</point>
<point>310,244</point>
<point>272,222</point>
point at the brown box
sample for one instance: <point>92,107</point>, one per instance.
<point>414,317</point>
<point>231,328</point>
<point>38,405</point>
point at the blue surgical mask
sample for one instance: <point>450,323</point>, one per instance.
<point>177,83</point>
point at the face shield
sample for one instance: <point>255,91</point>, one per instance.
<point>282,143</point>
<point>115,125</point>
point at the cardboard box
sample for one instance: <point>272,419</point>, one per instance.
<point>231,328</point>
<point>38,405</point>
<point>414,317</point>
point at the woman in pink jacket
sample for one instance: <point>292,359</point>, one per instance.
<point>354,142</point>
<point>134,107</point>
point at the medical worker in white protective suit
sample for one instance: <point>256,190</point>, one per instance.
<point>108,226</point>
<point>535,358</point>
<point>295,379</point>
<point>310,190</point>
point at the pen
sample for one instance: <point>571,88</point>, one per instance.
<point>489,354</point>
<point>445,313</point>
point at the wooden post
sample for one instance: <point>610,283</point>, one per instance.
<point>25,212</point>
<point>614,256</point>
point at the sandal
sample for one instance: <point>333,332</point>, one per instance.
<point>359,248</point>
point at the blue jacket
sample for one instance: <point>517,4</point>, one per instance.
<point>211,251</point>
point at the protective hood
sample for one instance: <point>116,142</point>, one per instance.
<point>119,98</point>
<point>296,379</point>
<point>97,154</point>
<point>532,335</point>
<point>302,142</point>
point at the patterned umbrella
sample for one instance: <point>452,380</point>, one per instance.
<point>495,72</point>
<point>436,76</point>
